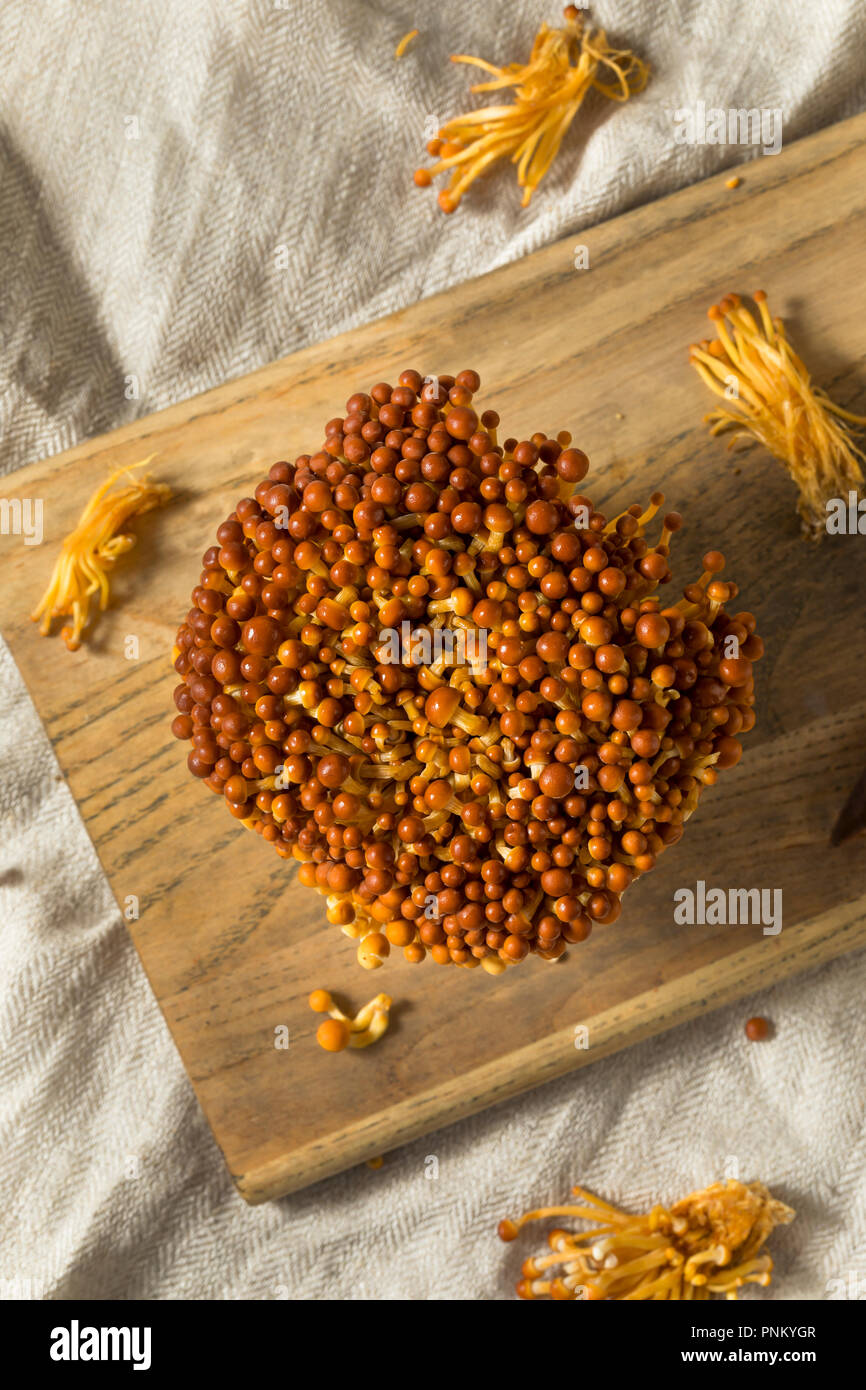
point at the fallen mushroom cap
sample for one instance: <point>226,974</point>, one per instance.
<point>422,664</point>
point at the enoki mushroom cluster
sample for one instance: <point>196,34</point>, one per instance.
<point>481,807</point>
<point>87,555</point>
<point>709,1243</point>
<point>769,397</point>
<point>564,66</point>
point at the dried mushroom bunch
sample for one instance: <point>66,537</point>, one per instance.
<point>770,398</point>
<point>421,662</point>
<point>709,1243</point>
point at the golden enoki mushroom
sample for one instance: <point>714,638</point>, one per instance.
<point>710,1242</point>
<point>477,799</point>
<point>88,553</point>
<point>341,1030</point>
<point>770,398</point>
<point>565,64</point>
<point>405,42</point>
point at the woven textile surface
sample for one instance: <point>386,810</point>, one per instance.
<point>152,158</point>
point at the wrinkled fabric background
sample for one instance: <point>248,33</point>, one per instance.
<point>152,157</point>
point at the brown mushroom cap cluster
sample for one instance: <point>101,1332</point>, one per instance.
<point>477,809</point>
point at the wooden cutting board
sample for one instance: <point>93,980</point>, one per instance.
<point>231,943</point>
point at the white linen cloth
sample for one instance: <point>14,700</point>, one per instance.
<point>152,158</point>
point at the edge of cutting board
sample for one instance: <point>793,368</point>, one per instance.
<point>799,948</point>
<point>763,175</point>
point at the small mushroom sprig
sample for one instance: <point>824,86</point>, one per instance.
<point>549,89</point>
<point>89,552</point>
<point>769,397</point>
<point>341,1030</point>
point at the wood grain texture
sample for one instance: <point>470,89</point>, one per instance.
<point>231,944</point>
